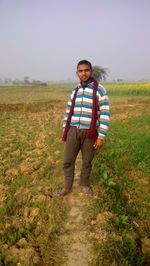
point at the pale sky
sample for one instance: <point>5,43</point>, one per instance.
<point>45,39</point>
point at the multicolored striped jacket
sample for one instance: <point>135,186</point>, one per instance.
<point>83,109</point>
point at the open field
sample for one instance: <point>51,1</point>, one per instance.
<point>36,229</point>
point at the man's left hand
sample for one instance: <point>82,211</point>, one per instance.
<point>98,143</point>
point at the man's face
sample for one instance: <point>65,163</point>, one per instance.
<point>84,72</point>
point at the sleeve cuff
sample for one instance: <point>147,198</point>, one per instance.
<point>101,136</point>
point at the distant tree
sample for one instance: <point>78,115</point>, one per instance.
<point>120,80</point>
<point>100,73</point>
<point>16,81</point>
<point>38,82</point>
<point>26,80</point>
<point>8,80</point>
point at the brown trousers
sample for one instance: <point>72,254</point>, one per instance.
<point>76,141</point>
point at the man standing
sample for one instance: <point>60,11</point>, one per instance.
<point>84,128</point>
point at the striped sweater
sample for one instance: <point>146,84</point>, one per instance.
<point>82,115</point>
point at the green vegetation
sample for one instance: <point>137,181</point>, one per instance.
<point>128,89</point>
<point>122,172</point>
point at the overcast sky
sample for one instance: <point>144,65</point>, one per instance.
<point>45,39</point>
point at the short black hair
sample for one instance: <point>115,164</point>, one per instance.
<point>84,62</point>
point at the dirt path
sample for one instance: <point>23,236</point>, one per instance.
<point>77,248</point>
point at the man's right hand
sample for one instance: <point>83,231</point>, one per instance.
<point>62,138</point>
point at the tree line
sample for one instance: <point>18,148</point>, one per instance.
<point>99,73</point>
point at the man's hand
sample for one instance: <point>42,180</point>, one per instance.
<point>62,138</point>
<point>98,143</point>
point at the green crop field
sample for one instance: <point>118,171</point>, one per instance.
<point>31,155</point>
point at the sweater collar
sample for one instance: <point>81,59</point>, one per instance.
<point>84,85</point>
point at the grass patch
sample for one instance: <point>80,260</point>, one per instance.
<point>125,194</point>
<point>128,89</point>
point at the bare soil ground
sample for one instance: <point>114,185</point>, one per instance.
<point>75,240</point>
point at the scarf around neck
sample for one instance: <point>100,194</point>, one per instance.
<point>91,132</point>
